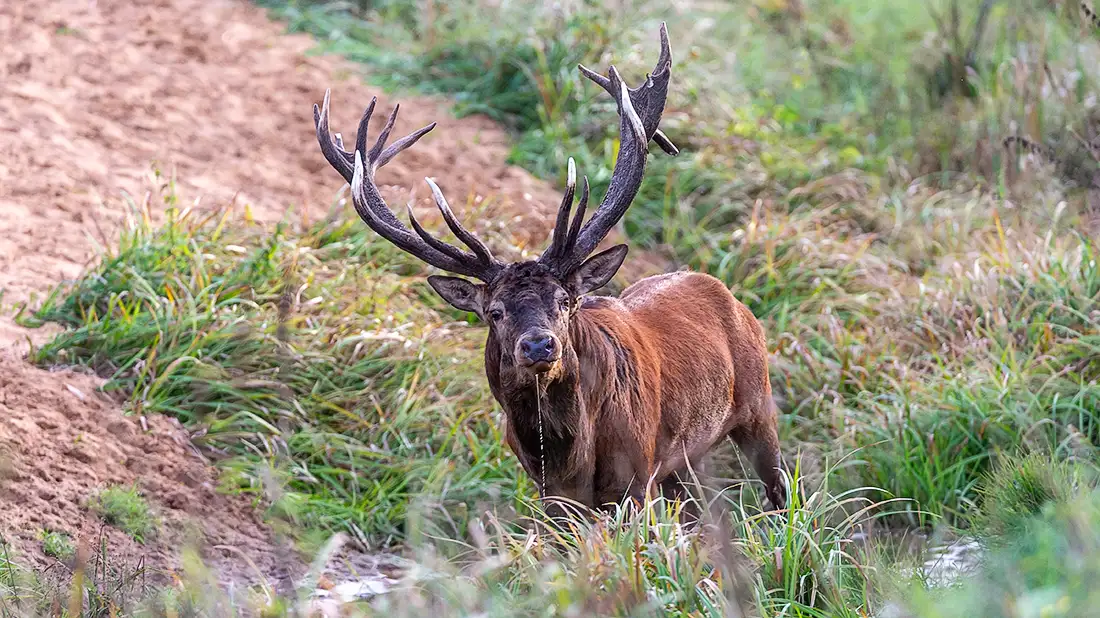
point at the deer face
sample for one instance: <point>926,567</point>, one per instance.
<point>528,307</point>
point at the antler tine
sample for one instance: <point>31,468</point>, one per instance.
<point>435,243</point>
<point>629,115</point>
<point>603,82</point>
<point>664,61</point>
<point>480,250</point>
<point>333,150</point>
<point>640,112</point>
<point>666,144</point>
<point>380,143</point>
<point>561,226</point>
<point>575,228</point>
<point>364,124</point>
<point>359,171</point>
<point>390,152</point>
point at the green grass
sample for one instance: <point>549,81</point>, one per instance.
<point>1019,489</point>
<point>346,398</point>
<point>92,584</point>
<point>806,131</point>
<point>317,360</point>
<point>638,562</point>
<point>1049,571</point>
<point>769,97</point>
<point>58,545</point>
<point>125,509</point>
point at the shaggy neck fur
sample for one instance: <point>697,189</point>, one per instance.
<point>595,371</point>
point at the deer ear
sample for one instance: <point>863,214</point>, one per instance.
<point>597,270</point>
<point>462,294</point>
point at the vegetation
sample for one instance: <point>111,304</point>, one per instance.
<point>322,361</point>
<point>928,320</point>
<point>1048,570</point>
<point>57,545</point>
<point>929,287</point>
<point>125,509</point>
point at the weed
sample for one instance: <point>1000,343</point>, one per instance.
<point>1019,489</point>
<point>58,545</point>
<point>125,509</point>
<point>1050,570</point>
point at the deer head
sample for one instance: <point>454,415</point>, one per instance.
<point>527,305</point>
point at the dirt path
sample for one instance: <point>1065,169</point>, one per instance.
<point>95,97</point>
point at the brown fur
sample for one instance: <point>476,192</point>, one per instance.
<point>648,383</point>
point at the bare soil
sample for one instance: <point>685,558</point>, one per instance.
<point>103,103</point>
<point>63,441</point>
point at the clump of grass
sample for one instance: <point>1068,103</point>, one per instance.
<point>999,361</point>
<point>635,561</point>
<point>1020,489</point>
<point>125,509</point>
<point>57,545</point>
<point>96,584</point>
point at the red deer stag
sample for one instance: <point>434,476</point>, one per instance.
<point>602,395</point>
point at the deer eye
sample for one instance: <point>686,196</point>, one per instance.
<point>496,315</point>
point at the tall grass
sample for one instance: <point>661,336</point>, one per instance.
<point>636,560</point>
<point>806,131</point>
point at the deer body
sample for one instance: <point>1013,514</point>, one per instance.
<point>602,395</point>
<point>656,378</point>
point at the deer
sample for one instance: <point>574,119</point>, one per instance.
<point>603,397</point>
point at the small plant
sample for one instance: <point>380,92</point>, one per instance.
<point>57,545</point>
<point>125,509</point>
<point>1019,489</point>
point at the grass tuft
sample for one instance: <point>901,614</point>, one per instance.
<point>58,545</point>
<point>125,509</point>
<point>1020,489</point>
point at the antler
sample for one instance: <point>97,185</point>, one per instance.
<point>359,168</point>
<point>640,112</point>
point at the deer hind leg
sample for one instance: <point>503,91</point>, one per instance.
<point>760,444</point>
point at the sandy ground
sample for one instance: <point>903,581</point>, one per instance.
<point>102,103</point>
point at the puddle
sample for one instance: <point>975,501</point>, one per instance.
<point>329,602</point>
<point>943,561</point>
<point>947,564</point>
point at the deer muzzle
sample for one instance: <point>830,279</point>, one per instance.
<point>538,350</point>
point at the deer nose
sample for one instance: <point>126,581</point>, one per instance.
<point>538,347</point>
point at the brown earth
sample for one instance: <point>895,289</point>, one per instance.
<point>101,103</point>
<point>62,441</point>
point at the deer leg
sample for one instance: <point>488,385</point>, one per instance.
<point>760,444</point>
